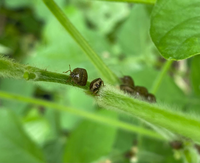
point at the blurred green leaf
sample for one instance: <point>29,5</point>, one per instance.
<point>175,28</point>
<point>90,141</point>
<point>15,145</point>
<point>108,14</point>
<point>54,119</point>
<point>133,36</point>
<point>38,6</point>
<point>195,75</point>
<point>124,141</point>
<point>36,126</point>
<point>53,150</point>
<point>18,3</point>
<point>19,87</point>
<point>150,152</point>
<point>75,99</point>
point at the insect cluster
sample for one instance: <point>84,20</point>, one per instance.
<point>79,76</point>
<point>129,87</point>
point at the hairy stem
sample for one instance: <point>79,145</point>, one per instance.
<point>83,114</point>
<point>175,121</point>
<point>9,68</point>
<point>96,60</point>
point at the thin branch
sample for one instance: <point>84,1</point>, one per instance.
<point>160,76</point>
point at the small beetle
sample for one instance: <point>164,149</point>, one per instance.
<point>127,80</point>
<point>176,144</point>
<point>127,89</point>
<point>140,91</point>
<point>150,98</point>
<point>95,85</point>
<point>79,76</point>
<point>197,146</point>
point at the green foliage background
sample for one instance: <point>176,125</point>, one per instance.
<point>119,34</point>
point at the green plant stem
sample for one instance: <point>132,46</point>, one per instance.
<point>90,116</point>
<point>48,76</point>
<point>160,77</point>
<point>175,121</point>
<point>155,87</point>
<point>132,1</point>
<point>10,69</point>
<point>99,64</point>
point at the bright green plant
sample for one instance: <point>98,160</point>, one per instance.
<point>174,29</point>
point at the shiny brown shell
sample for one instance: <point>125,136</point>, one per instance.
<point>127,89</point>
<point>140,91</point>
<point>79,76</point>
<point>150,98</point>
<point>95,85</point>
<point>127,80</point>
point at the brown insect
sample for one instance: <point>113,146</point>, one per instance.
<point>95,85</point>
<point>79,76</point>
<point>127,89</point>
<point>140,91</point>
<point>150,98</point>
<point>176,144</point>
<point>136,91</point>
<point>127,80</point>
<point>197,146</point>
<point>128,84</point>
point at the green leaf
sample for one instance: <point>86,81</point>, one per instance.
<point>90,141</point>
<point>53,150</point>
<point>133,35</point>
<point>124,141</point>
<point>15,145</point>
<point>16,86</point>
<point>36,126</point>
<point>150,152</point>
<point>175,28</point>
<point>195,77</point>
<point>108,14</point>
<point>69,121</point>
<point>18,4</point>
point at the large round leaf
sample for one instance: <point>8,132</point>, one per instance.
<point>175,28</point>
